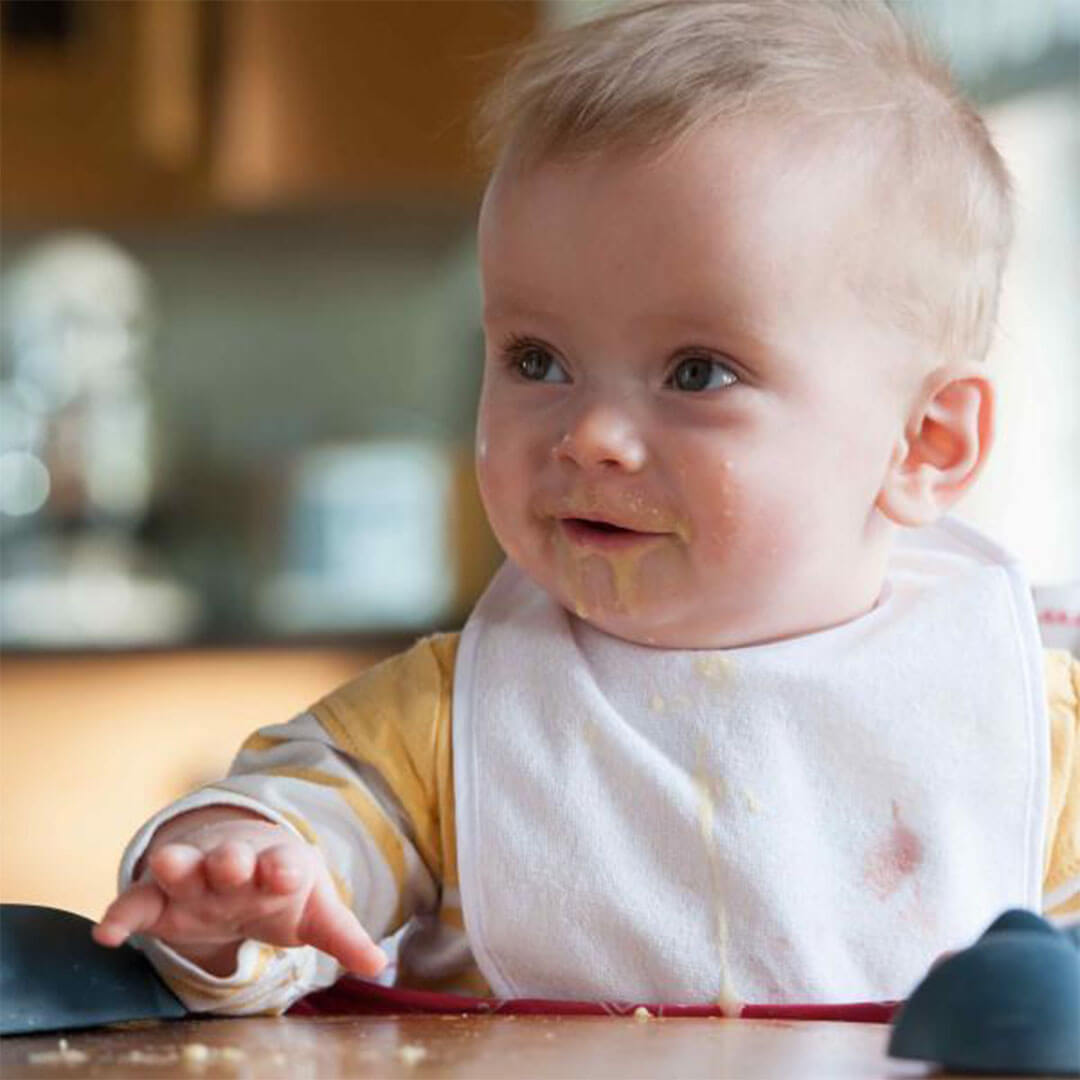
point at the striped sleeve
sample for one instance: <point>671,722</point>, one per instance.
<point>1061,883</point>
<point>355,776</point>
<point>411,737</point>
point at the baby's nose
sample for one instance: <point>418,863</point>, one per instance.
<point>601,436</point>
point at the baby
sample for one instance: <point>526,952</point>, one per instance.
<point>741,718</point>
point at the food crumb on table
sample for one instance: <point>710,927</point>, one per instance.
<point>64,1055</point>
<point>148,1057</point>
<point>411,1054</point>
<point>195,1054</point>
<point>641,1013</point>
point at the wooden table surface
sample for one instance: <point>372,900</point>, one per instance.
<point>475,1047</point>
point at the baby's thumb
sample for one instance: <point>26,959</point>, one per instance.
<point>329,925</point>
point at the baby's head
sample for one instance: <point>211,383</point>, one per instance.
<point>740,263</point>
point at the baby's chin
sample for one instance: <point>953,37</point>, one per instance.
<point>652,621</point>
<point>662,617</point>
<point>657,632</point>
<point>648,598</point>
<point>634,631</point>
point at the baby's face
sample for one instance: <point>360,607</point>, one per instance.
<point>686,418</point>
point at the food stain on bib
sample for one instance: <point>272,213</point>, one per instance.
<point>715,669</point>
<point>894,860</point>
<point>710,791</point>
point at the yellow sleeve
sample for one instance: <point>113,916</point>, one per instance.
<point>395,717</point>
<point>365,777</point>
<point>1061,882</point>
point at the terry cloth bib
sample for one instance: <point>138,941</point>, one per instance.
<point>812,820</point>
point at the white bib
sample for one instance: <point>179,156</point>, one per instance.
<point>812,820</point>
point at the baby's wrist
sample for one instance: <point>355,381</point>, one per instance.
<point>184,824</point>
<point>215,958</point>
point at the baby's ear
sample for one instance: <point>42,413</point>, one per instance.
<point>943,448</point>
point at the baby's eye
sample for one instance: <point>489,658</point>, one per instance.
<point>695,373</point>
<point>534,362</point>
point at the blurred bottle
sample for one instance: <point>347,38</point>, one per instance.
<point>76,451</point>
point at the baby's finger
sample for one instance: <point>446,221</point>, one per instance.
<point>178,869</point>
<point>332,927</point>
<point>230,866</point>
<point>284,868</point>
<point>134,910</point>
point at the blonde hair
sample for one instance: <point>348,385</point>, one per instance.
<point>646,75</point>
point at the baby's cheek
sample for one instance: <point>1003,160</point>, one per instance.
<point>719,513</point>
<point>488,482</point>
<point>496,493</point>
<point>747,533</point>
<point>504,496</point>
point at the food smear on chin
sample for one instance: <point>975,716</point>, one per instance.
<point>600,581</point>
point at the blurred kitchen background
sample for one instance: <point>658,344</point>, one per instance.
<point>240,350</point>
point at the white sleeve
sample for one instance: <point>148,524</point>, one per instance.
<point>295,775</point>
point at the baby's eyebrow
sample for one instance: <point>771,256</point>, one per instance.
<point>509,310</point>
<point>707,316</point>
<point>720,331</point>
<point>716,324</point>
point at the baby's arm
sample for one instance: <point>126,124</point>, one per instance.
<point>217,876</point>
<point>356,783</point>
<point>298,788</point>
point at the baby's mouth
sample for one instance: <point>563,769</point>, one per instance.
<point>587,532</point>
<point>602,526</point>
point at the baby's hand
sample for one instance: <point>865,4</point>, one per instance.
<point>215,877</point>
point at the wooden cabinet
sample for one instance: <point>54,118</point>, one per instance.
<point>91,746</point>
<point>168,108</point>
<point>338,100</point>
<point>108,121</point>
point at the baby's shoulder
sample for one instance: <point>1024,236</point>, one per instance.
<point>1062,880</point>
<point>1062,677</point>
<point>1062,681</point>
<point>408,689</point>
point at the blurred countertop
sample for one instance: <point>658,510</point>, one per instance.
<point>96,742</point>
